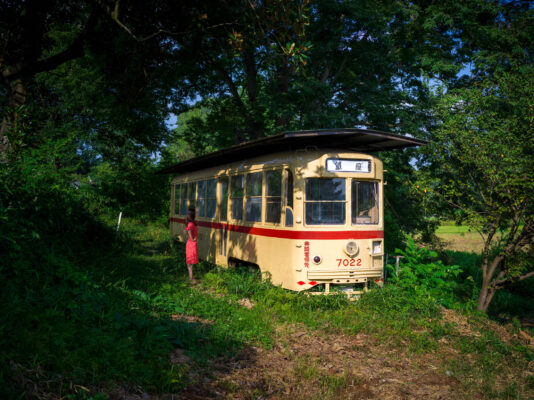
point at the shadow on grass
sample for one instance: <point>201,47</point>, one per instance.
<point>512,302</point>
<point>112,317</point>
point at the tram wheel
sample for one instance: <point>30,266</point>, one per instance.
<point>232,262</point>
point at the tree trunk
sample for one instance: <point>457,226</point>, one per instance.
<point>282,85</point>
<point>31,63</point>
<point>254,117</point>
<point>4,141</point>
<point>255,128</point>
<point>10,118</point>
<point>485,297</point>
<point>492,277</point>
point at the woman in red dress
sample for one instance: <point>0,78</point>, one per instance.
<point>191,252</point>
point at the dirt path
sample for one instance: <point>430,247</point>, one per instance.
<point>304,366</point>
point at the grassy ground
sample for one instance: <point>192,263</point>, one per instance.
<point>459,238</point>
<point>140,331</point>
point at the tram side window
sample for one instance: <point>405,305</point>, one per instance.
<point>191,194</point>
<point>365,202</point>
<point>183,199</point>
<point>237,189</point>
<point>224,199</point>
<point>289,198</point>
<point>273,196</point>
<point>177,189</point>
<point>325,201</point>
<point>201,210</point>
<point>211,198</point>
<point>254,188</point>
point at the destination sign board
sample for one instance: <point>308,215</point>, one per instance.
<point>345,165</point>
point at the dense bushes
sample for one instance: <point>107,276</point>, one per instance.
<point>62,309</point>
<point>424,274</point>
<point>41,214</point>
<point>130,186</point>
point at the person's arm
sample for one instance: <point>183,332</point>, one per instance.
<point>191,236</point>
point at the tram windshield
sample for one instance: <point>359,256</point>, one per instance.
<point>325,202</point>
<point>364,202</point>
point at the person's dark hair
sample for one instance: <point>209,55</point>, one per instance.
<point>190,217</point>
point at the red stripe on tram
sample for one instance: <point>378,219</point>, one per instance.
<point>289,234</point>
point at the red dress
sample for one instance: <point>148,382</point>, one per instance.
<point>191,252</point>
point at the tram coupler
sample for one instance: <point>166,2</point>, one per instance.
<point>351,293</point>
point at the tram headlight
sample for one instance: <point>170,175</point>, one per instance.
<point>351,248</point>
<point>377,246</point>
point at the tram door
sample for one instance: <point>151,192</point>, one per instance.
<point>222,229</point>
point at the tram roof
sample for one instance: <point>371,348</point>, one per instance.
<point>352,139</point>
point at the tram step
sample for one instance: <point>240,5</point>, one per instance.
<point>343,274</point>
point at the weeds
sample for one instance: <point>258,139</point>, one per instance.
<point>116,312</point>
<point>425,275</point>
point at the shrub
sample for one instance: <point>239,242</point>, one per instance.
<point>62,309</point>
<point>421,272</point>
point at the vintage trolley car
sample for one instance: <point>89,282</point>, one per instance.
<point>306,207</point>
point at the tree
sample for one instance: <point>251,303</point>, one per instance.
<point>121,53</point>
<point>481,165</point>
<point>243,61</point>
<point>338,64</point>
<point>482,152</point>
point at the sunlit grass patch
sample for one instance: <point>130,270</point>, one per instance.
<point>461,237</point>
<point>450,227</point>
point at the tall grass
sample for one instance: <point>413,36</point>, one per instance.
<point>111,312</point>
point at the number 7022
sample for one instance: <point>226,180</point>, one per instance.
<point>349,263</point>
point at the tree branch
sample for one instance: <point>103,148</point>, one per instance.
<point>525,276</point>
<point>233,89</point>
<point>75,50</point>
<point>171,33</point>
<point>524,238</point>
<point>325,74</point>
<point>114,15</point>
<point>340,69</point>
<point>501,282</point>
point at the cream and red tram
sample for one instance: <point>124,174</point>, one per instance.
<point>306,206</point>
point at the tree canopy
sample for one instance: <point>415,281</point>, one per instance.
<point>88,85</point>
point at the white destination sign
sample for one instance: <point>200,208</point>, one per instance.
<point>340,165</point>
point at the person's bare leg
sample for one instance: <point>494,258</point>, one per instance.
<point>190,270</point>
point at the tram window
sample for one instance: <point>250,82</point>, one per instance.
<point>224,199</point>
<point>273,196</point>
<point>237,186</point>
<point>289,216</point>
<point>289,198</point>
<point>325,201</point>
<point>289,189</point>
<point>191,193</point>
<point>211,198</point>
<point>365,202</point>
<point>254,187</point>
<point>201,209</point>
<point>177,199</point>
<point>183,199</point>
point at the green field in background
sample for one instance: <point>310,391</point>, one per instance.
<point>450,227</point>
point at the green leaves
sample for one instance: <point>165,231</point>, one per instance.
<point>478,165</point>
<point>421,272</point>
